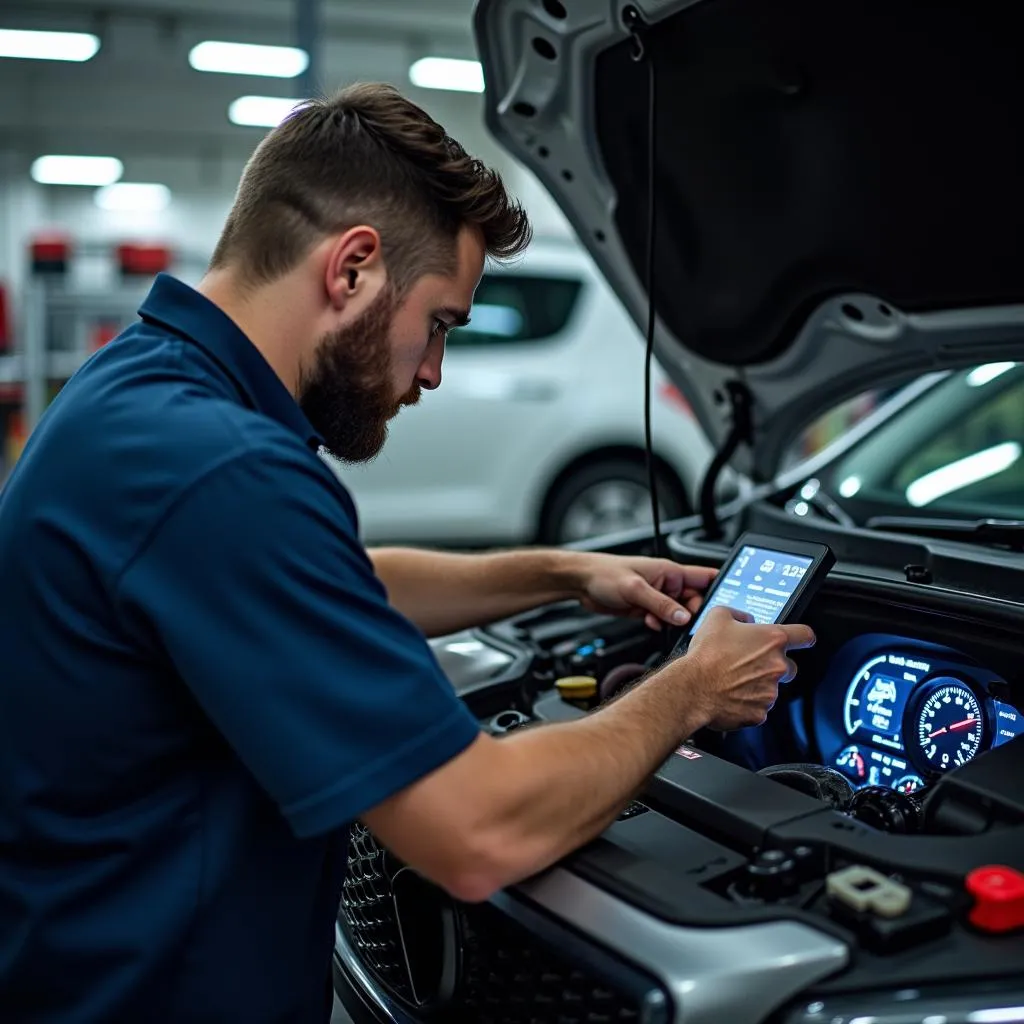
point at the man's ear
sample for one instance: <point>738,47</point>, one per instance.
<point>355,267</point>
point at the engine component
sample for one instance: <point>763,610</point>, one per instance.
<point>816,780</point>
<point>772,875</point>
<point>506,721</point>
<point>887,915</point>
<point>864,889</point>
<point>998,892</point>
<point>888,809</point>
<point>619,678</point>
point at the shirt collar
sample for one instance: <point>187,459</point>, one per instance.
<point>174,305</point>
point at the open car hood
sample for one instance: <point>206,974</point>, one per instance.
<point>838,185</point>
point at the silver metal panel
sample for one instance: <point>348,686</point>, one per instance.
<point>467,660</point>
<point>912,1006</point>
<point>739,975</point>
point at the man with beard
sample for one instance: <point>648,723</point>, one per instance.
<point>207,677</point>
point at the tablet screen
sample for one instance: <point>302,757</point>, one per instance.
<point>758,581</point>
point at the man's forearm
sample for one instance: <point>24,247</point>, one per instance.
<point>443,592</point>
<point>515,806</point>
<point>572,780</point>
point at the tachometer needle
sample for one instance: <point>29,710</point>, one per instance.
<point>949,728</point>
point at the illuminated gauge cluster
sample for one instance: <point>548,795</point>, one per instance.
<point>907,719</point>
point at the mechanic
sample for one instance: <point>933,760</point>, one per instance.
<point>207,677</point>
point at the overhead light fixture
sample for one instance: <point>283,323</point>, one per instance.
<point>133,197</point>
<point>447,73</point>
<point>77,170</point>
<point>248,59</point>
<point>35,45</point>
<point>261,111</point>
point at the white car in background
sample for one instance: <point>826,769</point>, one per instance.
<point>537,432</point>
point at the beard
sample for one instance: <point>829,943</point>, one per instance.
<point>346,393</point>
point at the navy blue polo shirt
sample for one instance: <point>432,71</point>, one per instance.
<point>201,684</point>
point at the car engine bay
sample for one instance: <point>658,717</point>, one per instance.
<point>868,837</point>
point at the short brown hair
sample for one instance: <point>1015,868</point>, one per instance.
<point>369,156</point>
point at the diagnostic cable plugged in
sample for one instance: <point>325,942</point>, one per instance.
<point>637,28</point>
<point>738,395</point>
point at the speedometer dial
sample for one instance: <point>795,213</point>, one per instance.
<point>947,727</point>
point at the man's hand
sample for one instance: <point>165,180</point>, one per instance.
<point>492,816</point>
<point>741,666</point>
<point>443,592</point>
<point>654,589</point>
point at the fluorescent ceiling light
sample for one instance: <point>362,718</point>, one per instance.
<point>133,197</point>
<point>77,170</point>
<point>261,111</point>
<point>248,59</point>
<point>30,45</point>
<point>963,473</point>
<point>447,73</point>
<point>982,375</point>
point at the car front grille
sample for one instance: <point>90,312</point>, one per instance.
<point>368,913</point>
<point>510,977</point>
<point>505,973</point>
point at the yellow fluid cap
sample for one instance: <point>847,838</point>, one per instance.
<point>577,687</point>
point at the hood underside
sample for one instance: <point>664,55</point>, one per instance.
<point>838,186</point>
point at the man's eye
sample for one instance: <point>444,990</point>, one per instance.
<point>439,328</point>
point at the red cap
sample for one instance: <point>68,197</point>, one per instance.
<point>999,896</point>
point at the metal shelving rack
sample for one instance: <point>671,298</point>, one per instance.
<point>57,326</point>
<point>60,324</point>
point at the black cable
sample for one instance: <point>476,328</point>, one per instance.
<point>652,476</point>
<point>739,432</point>
<point>641,51</point>
<point>712,527</point>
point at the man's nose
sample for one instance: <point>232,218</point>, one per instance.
<point>429,374</point>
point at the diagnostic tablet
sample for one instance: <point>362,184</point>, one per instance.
<point>769,578</point>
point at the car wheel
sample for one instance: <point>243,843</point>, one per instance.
<point>604,497</point>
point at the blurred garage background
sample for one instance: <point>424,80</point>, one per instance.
<point>124,126</point>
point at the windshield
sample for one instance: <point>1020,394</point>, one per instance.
<point>956,452</point>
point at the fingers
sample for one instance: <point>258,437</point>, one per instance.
<point>790,674</point>
<point>651,600</point>
<point>674,578</point>
<point>697,577</point>
<point>724,613</point>
<point>665,591</point>
<point>799,637</point>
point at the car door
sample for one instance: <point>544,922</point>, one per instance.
<point>439,476</point>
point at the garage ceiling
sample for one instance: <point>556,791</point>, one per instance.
<point>139,99</point>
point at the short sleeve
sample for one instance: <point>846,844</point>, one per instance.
<point>256,588</point>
